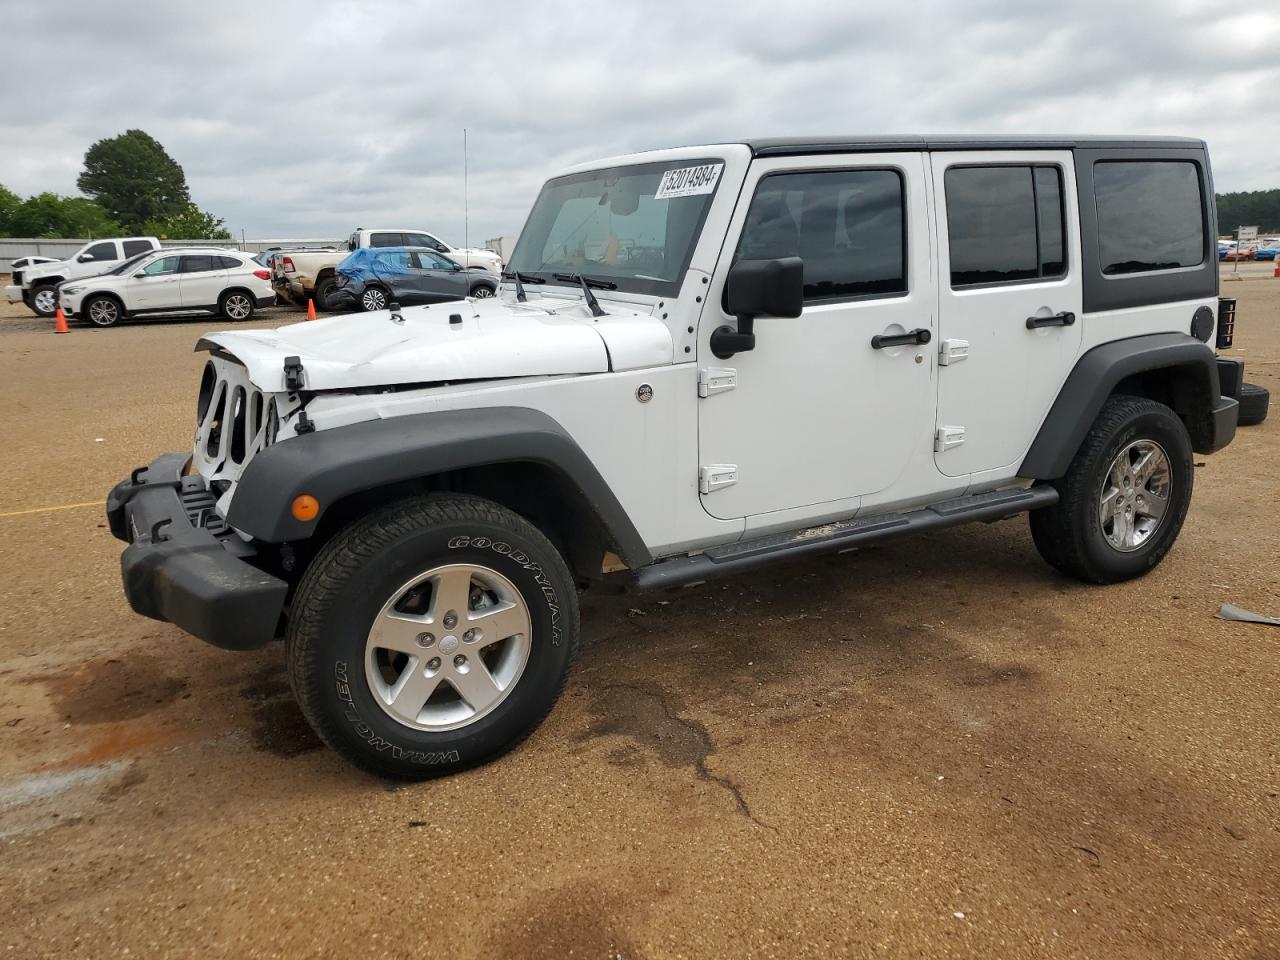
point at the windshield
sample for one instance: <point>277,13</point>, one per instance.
<point>635,225</point>
<point>123,266</point>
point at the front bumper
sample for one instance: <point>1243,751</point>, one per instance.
<point>13,293</point>
<point>184,566</point>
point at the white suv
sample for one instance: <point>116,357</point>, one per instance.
<point>195,279</point>
<point>706,359</point>
<point>36,284</point>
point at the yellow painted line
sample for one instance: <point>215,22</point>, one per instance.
<point>65,506</point>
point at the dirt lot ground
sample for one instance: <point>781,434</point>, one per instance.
<point>938,747</point>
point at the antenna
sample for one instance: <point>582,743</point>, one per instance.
<point>466,222</point>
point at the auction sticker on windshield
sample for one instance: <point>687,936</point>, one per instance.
<point>689,181</point>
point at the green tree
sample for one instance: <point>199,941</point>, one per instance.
<point>9,204</point>
<point>189,224</point>
<point>1249,208</point>
<point>134,179</point>
<point>48,215</point>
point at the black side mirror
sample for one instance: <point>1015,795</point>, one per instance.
<point>773,288</point>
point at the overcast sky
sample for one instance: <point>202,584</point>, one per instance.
<point>298,119</point>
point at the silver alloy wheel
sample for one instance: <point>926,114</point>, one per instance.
<point>373,299</point>
<point>481,293</point>
<point>1135,495</point>
<point>103,313</point>
<point>45,301</point>
<point>237,307</point>
<point>448,647</point>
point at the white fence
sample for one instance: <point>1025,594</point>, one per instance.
<point>13,247</point>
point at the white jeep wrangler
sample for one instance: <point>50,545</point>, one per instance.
<point>704,360</point>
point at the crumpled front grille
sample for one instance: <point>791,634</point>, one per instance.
<point>234,420</point>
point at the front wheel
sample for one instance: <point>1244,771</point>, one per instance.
<point>102,311</point>
<point>44,300</point>
<point>1124,497</point>
<point>482,291</point>
<point>432,635</point>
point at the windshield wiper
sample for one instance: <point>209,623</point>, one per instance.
<point>587,283</point>
<point>521,279</point>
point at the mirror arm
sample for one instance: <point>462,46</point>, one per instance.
<point>726,341</point>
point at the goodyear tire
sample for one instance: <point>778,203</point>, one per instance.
<point>1124,498</point>
<point>432,635</point>
<point>1254,401</point>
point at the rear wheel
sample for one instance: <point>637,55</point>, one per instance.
<point>323,289</point>
<point>44,300</point>
<point>1124,497</point>
<point>236,305</point>
<point>432,635</point>
<point>373,298</point>
<point>102,311</point>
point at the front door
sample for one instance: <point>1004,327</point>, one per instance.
<point>438,278</point>
<point>820,411</point>
<point>1009,281</point>
<point>156,286</point>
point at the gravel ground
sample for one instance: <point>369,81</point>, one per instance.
<point>936,747</point>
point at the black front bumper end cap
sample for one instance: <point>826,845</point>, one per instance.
<point>1225,416</point>
<point>183,574</point>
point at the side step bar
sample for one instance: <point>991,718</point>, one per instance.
<point>748,554</point>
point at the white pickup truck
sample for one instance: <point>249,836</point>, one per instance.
<point>37,285</point>
<point>310,275</point>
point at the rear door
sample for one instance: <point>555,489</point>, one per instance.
<point>203,279</point>
<point>1009,301</point>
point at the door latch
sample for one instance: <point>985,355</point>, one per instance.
<point>714,476</point>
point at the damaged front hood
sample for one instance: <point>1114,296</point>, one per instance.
<point>494,339</point>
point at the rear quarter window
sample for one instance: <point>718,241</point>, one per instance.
<point>1150,215</point>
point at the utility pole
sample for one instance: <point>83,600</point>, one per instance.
<point>466,221</point>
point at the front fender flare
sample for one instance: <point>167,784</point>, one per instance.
<point>333,464</point>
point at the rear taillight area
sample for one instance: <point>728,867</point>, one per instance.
<point>286,263</point>
<point>262,274</point>
<point>1226,321</point>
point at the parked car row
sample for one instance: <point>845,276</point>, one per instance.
<point>106,281</point>
<point>1264,248</point>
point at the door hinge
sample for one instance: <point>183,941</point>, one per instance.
<point>947,437</point>
<point>716,380</point>
<point>716,475</point>
<point>952,351</point>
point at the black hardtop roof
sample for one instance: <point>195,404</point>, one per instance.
<point>789,146</point>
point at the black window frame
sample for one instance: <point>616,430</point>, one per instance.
<point>114,253</point>
<point>903,181</point>
<point>1120,291</point>
<point>1030,166</point>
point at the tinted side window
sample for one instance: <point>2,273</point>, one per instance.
<point>1004,224</point>
<point>134,247</point>
<point>382,239</point>
<point>1150,215</point>
<point>102,251</point>
<point>197,264</point>
<point>847,225</point>
<point>161,266</point>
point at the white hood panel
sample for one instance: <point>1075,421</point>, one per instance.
<point>496,338</point>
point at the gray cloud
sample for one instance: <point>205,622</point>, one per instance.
<point>306,119</point>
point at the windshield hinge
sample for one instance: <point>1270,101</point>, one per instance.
<point>293,374</point>
<point>712,380</point>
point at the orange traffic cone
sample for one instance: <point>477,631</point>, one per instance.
<point>311,309</point>
<point>60,322</point>
<point>1277,272</point>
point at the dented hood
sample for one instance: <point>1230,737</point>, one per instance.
<point>494,339</point>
